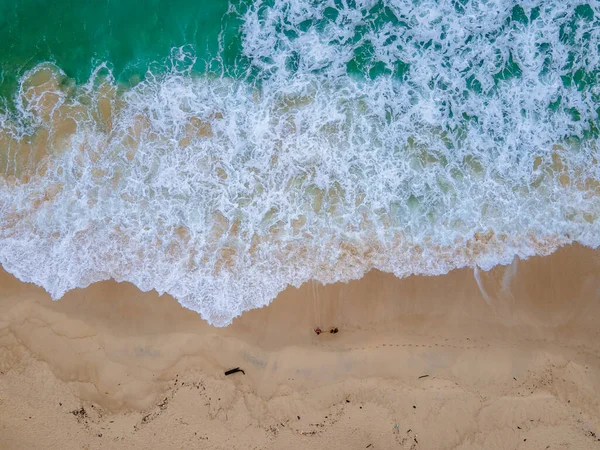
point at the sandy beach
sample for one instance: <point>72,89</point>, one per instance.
<point>186,188</point>
<point>506,359</point>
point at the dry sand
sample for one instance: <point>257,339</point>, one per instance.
<point>509,362</point>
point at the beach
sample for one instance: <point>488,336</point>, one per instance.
<point>509,359</point>
<point>190,191</point>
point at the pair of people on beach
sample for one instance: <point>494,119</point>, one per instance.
<point>332,330</point>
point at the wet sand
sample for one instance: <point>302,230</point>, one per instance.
<point>506,359</point>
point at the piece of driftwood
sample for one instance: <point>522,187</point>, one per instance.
<point>232,371</point>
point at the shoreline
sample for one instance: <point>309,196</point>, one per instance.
<point>519,344</point>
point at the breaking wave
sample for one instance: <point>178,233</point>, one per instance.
<point>353,135</point>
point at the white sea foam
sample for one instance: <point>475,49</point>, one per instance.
<point>222,192</point>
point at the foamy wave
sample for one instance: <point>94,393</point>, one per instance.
<point>222,192</point>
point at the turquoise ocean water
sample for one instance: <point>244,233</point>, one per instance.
<point>221,151</point>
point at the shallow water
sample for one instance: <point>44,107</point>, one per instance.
<point>221,153</point>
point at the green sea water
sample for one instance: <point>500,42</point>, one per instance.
<point>131,36</point>
<point>128,34</point>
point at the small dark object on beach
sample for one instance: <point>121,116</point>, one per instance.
<point>333,330</point>
<point>414,407</point>
<point>298,417</point>
<point>370,445</point>
<point>423,376</point>
<point>318,331</point>
<point>237,369</point>
<point>79,412</point>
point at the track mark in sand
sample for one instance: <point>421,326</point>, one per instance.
<point>468,345</point>
<point>472,344</point>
